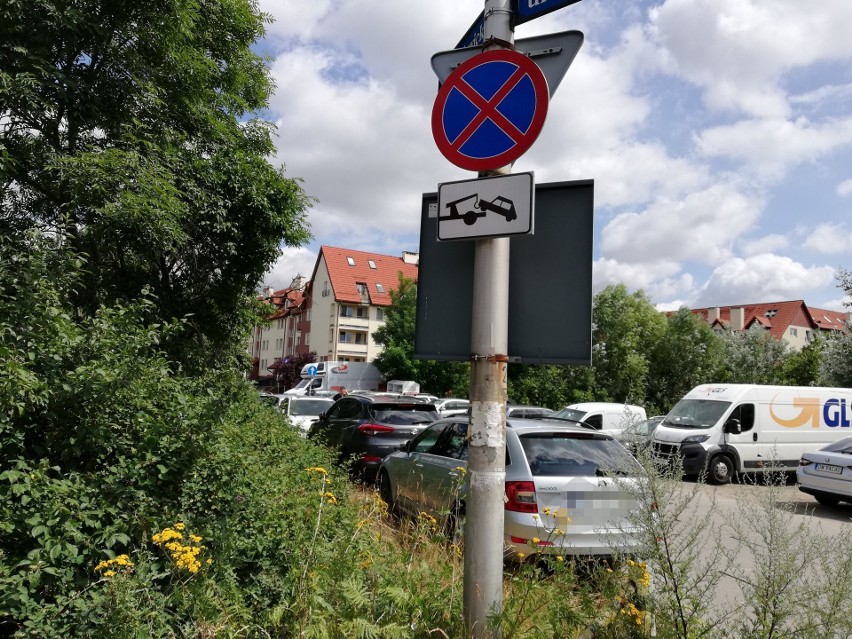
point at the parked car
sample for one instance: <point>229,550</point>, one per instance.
<point>302,410</point>
<point>611,417</point>
<point>528,412</point>
<point>451,406</point>
<point>567,486</point>
<point>827,473</point>
<point>637,436</point>
<point>365,428</point>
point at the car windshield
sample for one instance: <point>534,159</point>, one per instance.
<point>569,413</point>
<point>696,413</point>
<point>575,454</point>
<point>404,414</point>
<point>309,406</point>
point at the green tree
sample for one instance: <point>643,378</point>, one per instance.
<point>688,353</point>
<point>804,367</point>
<point>837,361</point>
<point>396,361</point>
<point>627,329</point>
<point>551,386</point>
<point>753,356</point>
<point>127,136</point>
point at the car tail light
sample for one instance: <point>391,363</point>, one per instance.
<point>370,458</point>
<point>374,429</point>
<point>520,497</point>
<point>805,462</point>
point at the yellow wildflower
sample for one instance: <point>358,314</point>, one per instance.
<point>535,541</point>
<point>109,573</point>
<point>560,558</point>
<point>317,469</point>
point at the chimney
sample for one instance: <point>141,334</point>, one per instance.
<point>410,258</point>
<point>713,314</point>
<point>737,318</point>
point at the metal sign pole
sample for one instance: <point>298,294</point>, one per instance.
<point>483,554</point>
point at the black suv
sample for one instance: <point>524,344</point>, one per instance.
<point>365,429</point>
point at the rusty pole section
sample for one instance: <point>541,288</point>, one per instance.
<point>486,464</point>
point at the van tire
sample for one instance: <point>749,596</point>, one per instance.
<point>720,470</point>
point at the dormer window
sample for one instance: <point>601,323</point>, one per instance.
<point>380,288</point>
<point>771,313</point>
<point>351,261</point>
<point>371,263</point>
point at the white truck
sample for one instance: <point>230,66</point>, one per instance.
<point>726,428</point>
<point>330,377</point>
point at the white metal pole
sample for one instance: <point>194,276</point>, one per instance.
<point>483,554</point>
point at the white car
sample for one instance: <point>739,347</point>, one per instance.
<point>827,473</point>
<point>302,410</point>
<point>451,406</point>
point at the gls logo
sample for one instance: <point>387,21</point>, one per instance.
<point>834,413</point>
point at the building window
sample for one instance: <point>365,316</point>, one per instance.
<point>307,338</point>
<point>808,336</point>
<point>371,263</point>
<point>346,311</point>
<point>264,345</point>
<point>279,344</point>
<point>794,332</point>
<point>351,261</point>
<point>262,365</point>
<point>308,315</point>
<point>380,314</point>
<point>280,323</point>
<point>380,287</point>
<point>361,312</point>
<point>345,337</point>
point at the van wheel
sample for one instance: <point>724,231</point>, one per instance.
<point>721,469</point>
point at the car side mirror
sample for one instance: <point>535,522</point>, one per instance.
<point>733,426</point>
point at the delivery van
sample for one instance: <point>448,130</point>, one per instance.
<point>330,377</point>
<point>722,429</point>
<point>404,387</point>
<point>610,417</point>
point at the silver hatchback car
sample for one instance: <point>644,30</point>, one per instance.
<point>569,490</point>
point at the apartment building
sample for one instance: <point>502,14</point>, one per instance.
<point>347,297</point>
<point>335,313</point>
<point>792,321</point>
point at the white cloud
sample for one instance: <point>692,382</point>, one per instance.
<point>771,147</point>
<point>830,239</point>
<point>762,278</point>
<point>844,188</point>
<point>765,244</point>
<point>292,262</point>
<point>699,228</point>
<point>737,51</point>
<point>660,280</point>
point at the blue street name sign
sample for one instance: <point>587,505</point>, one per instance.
<point>526,10</point>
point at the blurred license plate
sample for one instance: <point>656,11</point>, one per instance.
<point>829,468</point>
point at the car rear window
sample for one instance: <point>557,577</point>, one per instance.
<point>404,414</point>
<point>576,454</point>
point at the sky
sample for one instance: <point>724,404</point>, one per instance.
<point>718,134</point>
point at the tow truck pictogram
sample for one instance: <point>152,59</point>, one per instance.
<point>500,205</point>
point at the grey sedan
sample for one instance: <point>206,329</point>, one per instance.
<point>569,490</point>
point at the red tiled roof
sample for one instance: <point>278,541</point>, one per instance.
<point>345,277</point>
<point>828,320</point>
<point>775,316</point>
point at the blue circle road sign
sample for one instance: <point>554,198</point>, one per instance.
<point>490,110</point>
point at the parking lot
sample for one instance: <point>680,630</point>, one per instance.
<point>800,513</point>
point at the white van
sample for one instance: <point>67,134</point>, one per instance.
<point>327,377</point>
<point>607,416</point>
<point>728,428</point>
